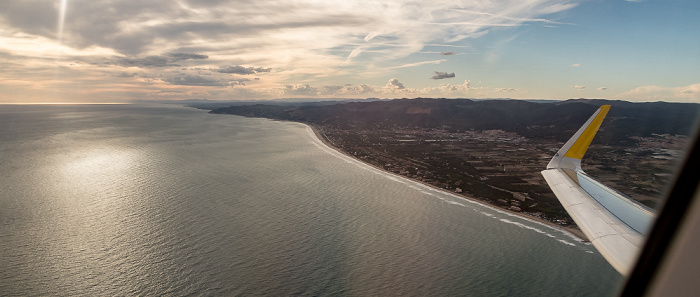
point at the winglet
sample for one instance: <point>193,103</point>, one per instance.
<point>569,156</point>
<point>614,224</point>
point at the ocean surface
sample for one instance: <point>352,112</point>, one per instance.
<point>135,200</point>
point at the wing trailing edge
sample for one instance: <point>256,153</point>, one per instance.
<point>615,224</point>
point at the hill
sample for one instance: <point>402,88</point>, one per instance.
<point>541,120</point>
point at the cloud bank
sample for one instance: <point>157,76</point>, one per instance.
<point>689,93</point>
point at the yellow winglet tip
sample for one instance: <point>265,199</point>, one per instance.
<point>578,149</point>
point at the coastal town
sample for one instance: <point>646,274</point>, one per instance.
<point>503,168</point>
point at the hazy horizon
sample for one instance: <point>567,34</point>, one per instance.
<point>319,99</point>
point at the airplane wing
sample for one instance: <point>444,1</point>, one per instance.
<point>615,224</point>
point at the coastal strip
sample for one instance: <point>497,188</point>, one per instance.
<point>320,138</point>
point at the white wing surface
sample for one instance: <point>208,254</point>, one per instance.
<point>615,224</point>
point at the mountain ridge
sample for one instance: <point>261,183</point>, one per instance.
<point>529,119</point>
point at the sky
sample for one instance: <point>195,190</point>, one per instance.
<point>123,50</point>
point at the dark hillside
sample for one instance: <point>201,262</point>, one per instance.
<point>550,120</point>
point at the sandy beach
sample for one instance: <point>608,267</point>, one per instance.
<point>575,231</point>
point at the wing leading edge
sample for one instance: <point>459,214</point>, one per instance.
<point>615,224</point>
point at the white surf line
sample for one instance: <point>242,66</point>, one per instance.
<point>410,182</point>
<point>562,231</point>
<point>485,213</point>
<point>566,242</point>
<point>455,203</point>
<point>331,152</point>
<point>521,225</point>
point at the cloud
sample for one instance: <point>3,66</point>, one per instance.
<point>462,88</point>
<point>442,75</point>
<point>395,84</point>
<point>578,87</point>
<point>300,89</point>
<point>689,93</point>
<point>418,64</point>
<point>505,89</point>
<point>198,80</point>
<point>602,88</point>
<point>330,90</point>
<point>364,89</point>
<point>166,60</point>
<point>307,40</point>
<point>510,19</point>
<point>347,90</point>
<point>576,65</point>
<point>187,56</point>
<point>145,62</point>
<point>242,70</point>
<point>138,28</point>
<point>361,89</point>
<point>392,88</point>
<point>124,74</point>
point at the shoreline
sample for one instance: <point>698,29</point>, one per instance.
<point>573,231</point>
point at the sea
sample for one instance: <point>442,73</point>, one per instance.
<point>164,200</point>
